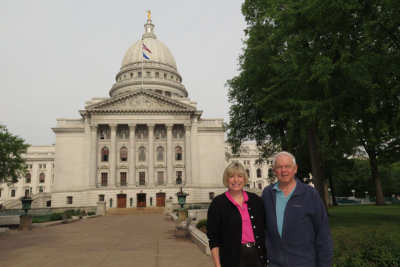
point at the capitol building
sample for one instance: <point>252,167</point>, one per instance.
<point>137,147</point>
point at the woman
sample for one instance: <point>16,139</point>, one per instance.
<point>235,223</point>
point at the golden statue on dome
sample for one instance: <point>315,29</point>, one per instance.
<point>148,15</point>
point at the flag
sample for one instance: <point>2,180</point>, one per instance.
<point>144,55</point>
<point>145,48</point>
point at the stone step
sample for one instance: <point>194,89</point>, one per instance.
<point>126,211</point>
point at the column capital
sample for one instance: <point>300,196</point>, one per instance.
<point>113,127</point>
<point>93,127</point>
<point>132,126</point>
<point>169,126</point>
<point>187,126</point>
<point>151,125</point>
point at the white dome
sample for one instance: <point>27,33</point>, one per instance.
<point>158,73</point>
<point>159,53</point>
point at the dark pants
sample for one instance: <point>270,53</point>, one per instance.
<point>249,257</point>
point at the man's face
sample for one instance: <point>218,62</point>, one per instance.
<point>285,169</point>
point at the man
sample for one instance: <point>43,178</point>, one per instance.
<point>298,231</point>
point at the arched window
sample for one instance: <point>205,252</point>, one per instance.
<point>258,173</point>
<point>123,153</point>
<point>160,153</point>
<point>142,154</point>
<point>270,172</point>
<point>41,177</point>
<point>104,154</point>
<point>28,178</point>
<point>178,153</point>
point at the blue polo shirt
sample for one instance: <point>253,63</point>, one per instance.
<point>281,202</point>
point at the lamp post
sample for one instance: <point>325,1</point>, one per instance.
<point>182,212</point>
<point>353,192</point>
<point>25,220</point>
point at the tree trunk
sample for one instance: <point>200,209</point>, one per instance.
<point>318,178</point>
<point>380,199</point>
<point>333,191</point>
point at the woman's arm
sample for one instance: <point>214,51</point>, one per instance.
<point>215,256</point>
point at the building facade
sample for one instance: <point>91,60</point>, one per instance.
<point>137,147</point>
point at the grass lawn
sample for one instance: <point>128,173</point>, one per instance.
<point>366,235</point>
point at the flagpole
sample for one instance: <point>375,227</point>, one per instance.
<point>142,63</point>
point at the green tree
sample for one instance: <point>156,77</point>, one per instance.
<point>305,76</point>
<point>12,165</point>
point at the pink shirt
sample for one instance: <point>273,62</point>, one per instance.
<point>247,230</point>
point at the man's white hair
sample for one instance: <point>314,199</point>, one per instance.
<point>284,153</point>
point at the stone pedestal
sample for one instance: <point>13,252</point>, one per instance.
<point>25,222</point>
<point>182,215</point>
<point>168,205</point>
<point>101,208</point>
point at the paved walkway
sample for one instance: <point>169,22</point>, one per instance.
<point>127,240</point>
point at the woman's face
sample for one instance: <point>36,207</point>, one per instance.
<point>235,182</point>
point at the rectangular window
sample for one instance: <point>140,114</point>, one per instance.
<point>101,197</point>
<point>131,75</point>
<point>142,178</point>
<point>160,176</point>
<point>123,178</point>
<point>48,203</point>
<point>165,76</point>
<point>210,195</point>
<point>69,200</point>
<point>26,192</point>
<point>139,74</point>
<point>148,74</point>
<point>157,74</point>
<point>13,193</point>
<point>178,177</point>
<point>104,178</point>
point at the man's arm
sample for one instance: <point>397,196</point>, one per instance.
<point>323,240</point>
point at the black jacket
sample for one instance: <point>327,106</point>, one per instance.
<point>224,228</point>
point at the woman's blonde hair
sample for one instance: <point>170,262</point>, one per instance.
<point>234,168</point>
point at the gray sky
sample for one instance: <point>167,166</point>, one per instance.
<point>57,54</point>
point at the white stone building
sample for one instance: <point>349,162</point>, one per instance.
<point>137,147</point>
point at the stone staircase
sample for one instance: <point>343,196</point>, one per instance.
<point>39,201</point>
<point>129,211</point>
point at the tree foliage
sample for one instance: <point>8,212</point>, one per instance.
<point>12,165</point>
<point>315,84</point>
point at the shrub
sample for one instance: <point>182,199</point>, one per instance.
<point>90,213</point>
<point>56,216</point>
<point>201,223</point>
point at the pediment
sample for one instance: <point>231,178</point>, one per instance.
<point>139,101</point>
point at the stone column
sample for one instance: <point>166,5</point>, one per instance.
<point>195,169</point>
<point>151,154</point>
<point>188,155</point>
<point>93,156</point>
<point>170,155</point>
<point>131,155</point>
<point>113,154</point>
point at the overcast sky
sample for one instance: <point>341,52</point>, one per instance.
<point>57,54</point>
